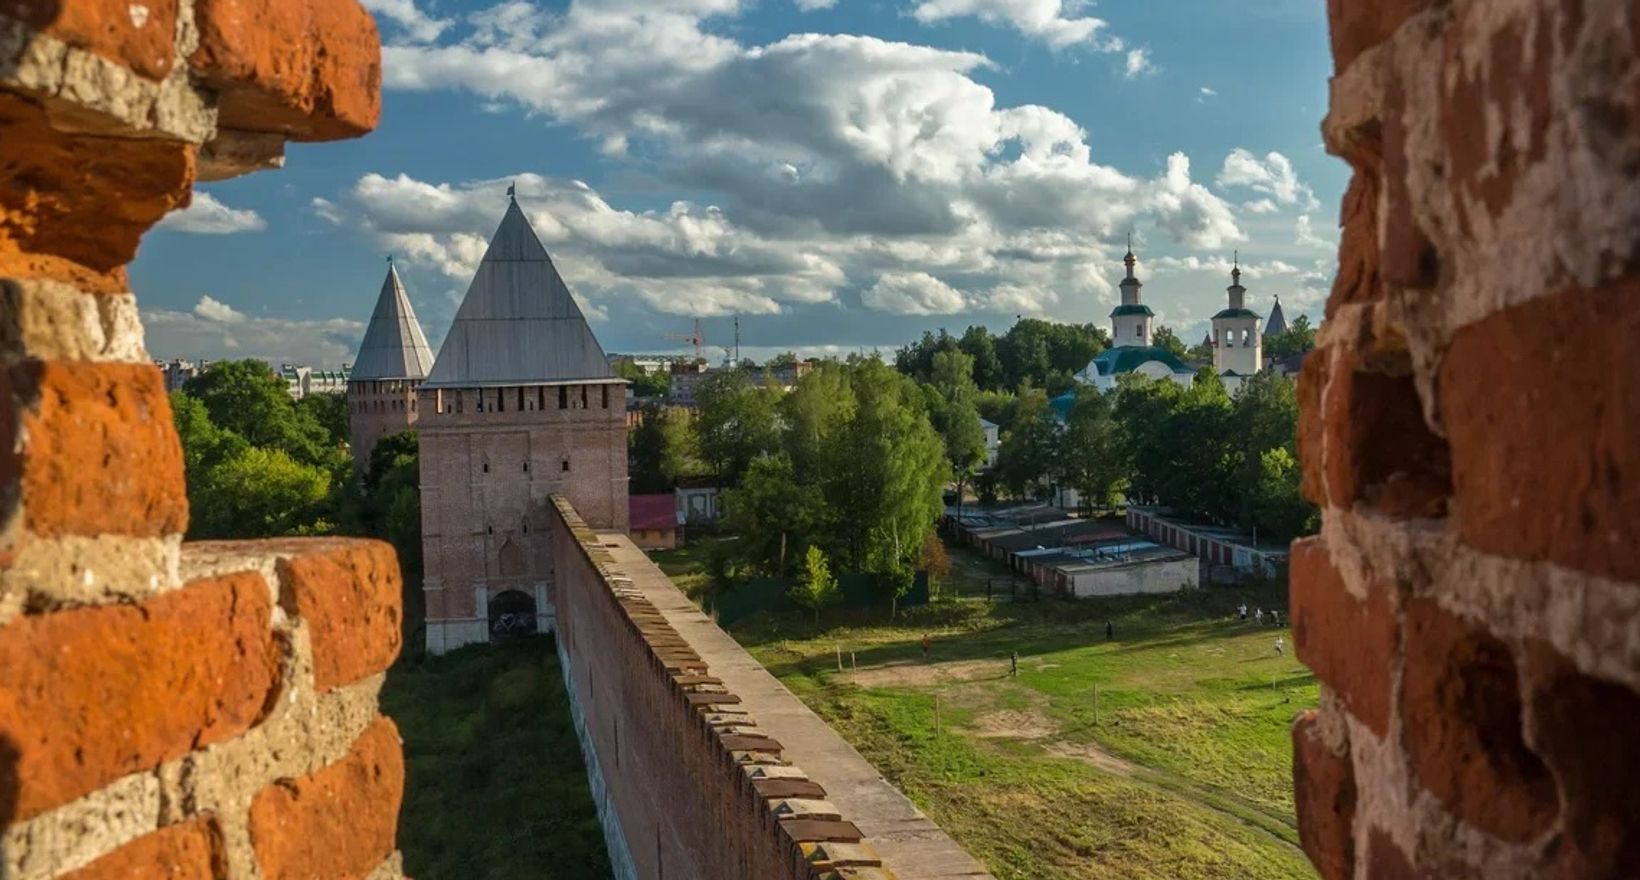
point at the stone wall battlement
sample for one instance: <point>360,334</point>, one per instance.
<point>700,790</point>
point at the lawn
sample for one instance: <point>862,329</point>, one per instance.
<point>1184,773</point>
<point>495,785</point>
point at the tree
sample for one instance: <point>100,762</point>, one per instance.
<point>1280,512</point>
<point>249,399</point>
<point>954,415</point>
<point>736,424</point>
<point>328,411</point>
<point>1030,448</point>
<point>261,493</point>
<point>1168,341</point>
<point>770,511</point>
<point>644,382</point>
<point>1299,337</point>
<point>817,588</point>
<point>917,359</point>
<point>934,560</point>
<point>977,343</point>
<point>1095,461</point>
<point>821,404</point>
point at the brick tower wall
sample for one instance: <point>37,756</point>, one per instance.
<point>166,709</point>
<point>1469,426</point>
<point>378,408</point>
<point>487,471</point>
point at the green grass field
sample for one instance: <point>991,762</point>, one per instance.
<point>1185,773</point>
<point>495,785</point>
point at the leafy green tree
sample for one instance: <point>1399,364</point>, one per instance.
<point>954,415</point>
<point>1266,418</point>
<point>737,423</point>
<point>261,493</point>
<point>1164,338</point>
<point>817,588</point>
<point>772,511</point>
<point>249,399</point>
<point>821,404</point>
<point>882,472</point>
<point>1095,461</point>
<point>917,359</point>
<point>1279,511</point>
<point>204,445</point>
<point>644,382</point>
<point>1026,462</point>
<point>328,411</point>
<point>1299,337</point>
<point>978,343</point>
<point>934,560</point>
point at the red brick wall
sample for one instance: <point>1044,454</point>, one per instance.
<point>1469,427</point>
<point>166,710</point>
<point>676,751</point>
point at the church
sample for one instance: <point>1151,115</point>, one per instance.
<point>519,405</point>
<point>1237,341</point>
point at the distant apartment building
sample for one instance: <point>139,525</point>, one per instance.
<point>688,378</point>
<point>302,380</point>
<point>178,371</point>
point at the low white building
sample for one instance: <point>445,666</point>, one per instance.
<point>993,441</point>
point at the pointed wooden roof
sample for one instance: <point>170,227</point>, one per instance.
<point>393,346</point>
<point>518,324</point>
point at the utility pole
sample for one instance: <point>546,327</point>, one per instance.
<point>737,340</point>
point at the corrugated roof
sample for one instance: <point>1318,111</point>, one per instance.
<point>393,346</point>
<point>518,324</point>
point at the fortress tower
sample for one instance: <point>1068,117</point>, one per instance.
<point>520,405</point>
<point>393,360</point>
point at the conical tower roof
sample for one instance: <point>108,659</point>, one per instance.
<point>518,324</point>
<point>1277,322</point>
<point>393,346</point>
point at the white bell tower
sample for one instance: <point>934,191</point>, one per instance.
<point>1130,322</point>
<point>1238,346</point>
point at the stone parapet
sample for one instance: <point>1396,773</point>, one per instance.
<point>1472,604</point>
<point>696,785</point>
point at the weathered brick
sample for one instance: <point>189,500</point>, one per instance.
<point>1348,643</point>
<point>1379,450</point>
<point>100,455</point>
<point>308,68</point>
<point>1358,25</point>
<point>1386,861</point>
<point>92,694</point>
<point>80,198</point>
<point>1462,726</point>
<point>1312,379</point>
<point>350,593</point>
<point>189,851</point>
<point>140,36</point>
<point>1357,280</point>
<point>336,822</point>
<point>1540,403</point>
<point>1324,794</point>
<point>1584,727</point>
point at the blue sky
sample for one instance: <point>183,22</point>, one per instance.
<point>841,175</point>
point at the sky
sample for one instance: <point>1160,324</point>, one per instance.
<point>840,174</point>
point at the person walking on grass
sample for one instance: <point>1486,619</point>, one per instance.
<point>1110,630</point>
<point>1280,643</point>
<point>1275,617</point>
<point>1242,610</point>
<point>925,647</point>
<point>1013,664</point>
<point>1258,616</point>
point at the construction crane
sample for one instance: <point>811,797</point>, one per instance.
<point>697,339</point>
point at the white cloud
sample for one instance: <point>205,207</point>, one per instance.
<point>1208,93</point>
<point>1195,216</point>
<point>1138,63</point>
<point>1305,235</point>
<point>207,216</point>
<point>1053,21</point>
<point>913,293</point>
<point>414,23</point>
<point>320,343</point>
<point>1273,176</point>
<point>1260,206</point>
<point>214,310</point>
<point>815,5</point>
